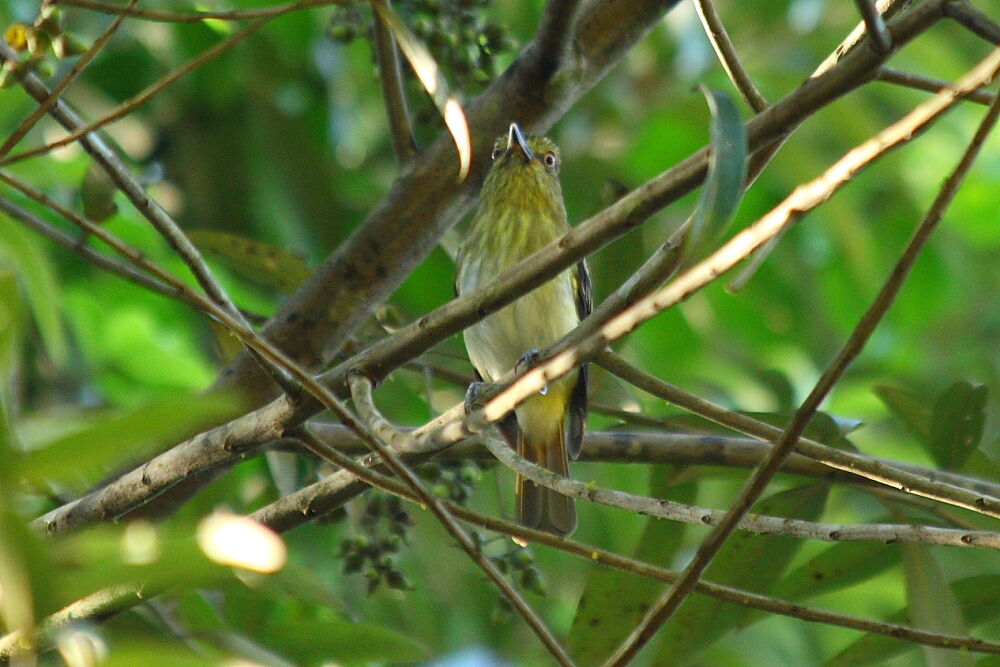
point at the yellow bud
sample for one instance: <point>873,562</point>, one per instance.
<point>16,35</point>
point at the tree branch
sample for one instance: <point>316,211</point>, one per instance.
<point>726,52</point>
<point>391,80</point>
<point>931,85</point>
<point>967,15</point>
<point>875,25</point>
<point>78,67</point>
<point>664,608</point>
<point>224,444</point>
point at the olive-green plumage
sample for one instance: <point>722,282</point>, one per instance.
<point>521,210</point>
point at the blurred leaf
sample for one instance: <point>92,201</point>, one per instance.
<point>259,262</point>
<point>21,252</point>
<point>932,605</point>
<point>341,642</point>
<point>197,613</point>
<point>751,562</point>
<point>977,599</point>
<point>97,192</point>
<point>957,424</point>
<point>11,323</point>
<point>838,566</point>
<point>908,407</point>
<point>124,437</point>
<point>723,188</point>
<point>614,601</point>
<point>429,73</point>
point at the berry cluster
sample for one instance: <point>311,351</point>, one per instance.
<point>461,39</point>
<point>41,40</point>
<point>385,524</point>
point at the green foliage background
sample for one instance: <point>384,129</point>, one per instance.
<point>284,141</point>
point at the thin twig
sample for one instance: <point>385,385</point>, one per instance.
<point>875,25</point>
<point>86,133</point>
<point>96,258</point>
<point>758,523</point>
<point>554,29</point>
<point>277,516</point>
<point>70,77</point>
<point>938,485</point>
<point>222,445</point>
<point>664,608</point>
<point>929,84</point>
<point>272,516</point>
<point>726,52</point>
<point>658,447</point>
<point>592,336</point>
<point>361,388</point>
<point>516,599</point>
<point>391,78</point>
<point>966,14</point>
<point>195,17</point>
<point>887,9</point>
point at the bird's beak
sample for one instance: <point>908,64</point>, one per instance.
<point>517,142</point>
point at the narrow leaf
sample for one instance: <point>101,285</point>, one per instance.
<point>977,599</point>
<point>723,188</point>
<point>256,261</point>
<point>82,456</point>
<point>837,567</point>
<point>752,562</point>
<point>909,408</point>
<point>957,424</point>
<point>430,76</point>
<point>932,605</point>
<point>613,601</point>
<point>37,277</point>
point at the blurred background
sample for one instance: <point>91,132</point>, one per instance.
<point>283,143</point>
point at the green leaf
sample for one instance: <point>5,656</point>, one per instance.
<point>909,408</point>
<point>957,424</point>
<point>977,599</point>
<point>30,263</point>
<point>723,188</point>
<point>11,323</point>
<point>836,567</point>
<point>932,604</point>
<point>259,262</point>
<point>340,641</point>
<point>117,438</point>
<point>751,562</point>
<point>614,601</point>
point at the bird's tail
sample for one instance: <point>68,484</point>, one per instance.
<point>539,507</point>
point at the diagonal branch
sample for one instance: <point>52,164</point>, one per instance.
<point>726,52</point>
<point>931,85</point>
<point>967,15</point>
<point>875,25</point>
<point>391,80</point>
<point>225,444</point>
<point>78,67</point>
<point>664,608</point>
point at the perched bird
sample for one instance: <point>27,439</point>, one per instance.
<point>520,211</point>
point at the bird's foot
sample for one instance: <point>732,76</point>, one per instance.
<point>473,396</point>
<point>528,360</point>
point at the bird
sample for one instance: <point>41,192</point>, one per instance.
<point>521,210</point>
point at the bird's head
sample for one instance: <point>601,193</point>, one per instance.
<point>525,170</point>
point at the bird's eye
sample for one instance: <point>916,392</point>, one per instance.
<point>550,160</point>
<point>496,152</point>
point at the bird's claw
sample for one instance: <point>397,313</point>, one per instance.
<point>473,396</point>
<point>527,360</point>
